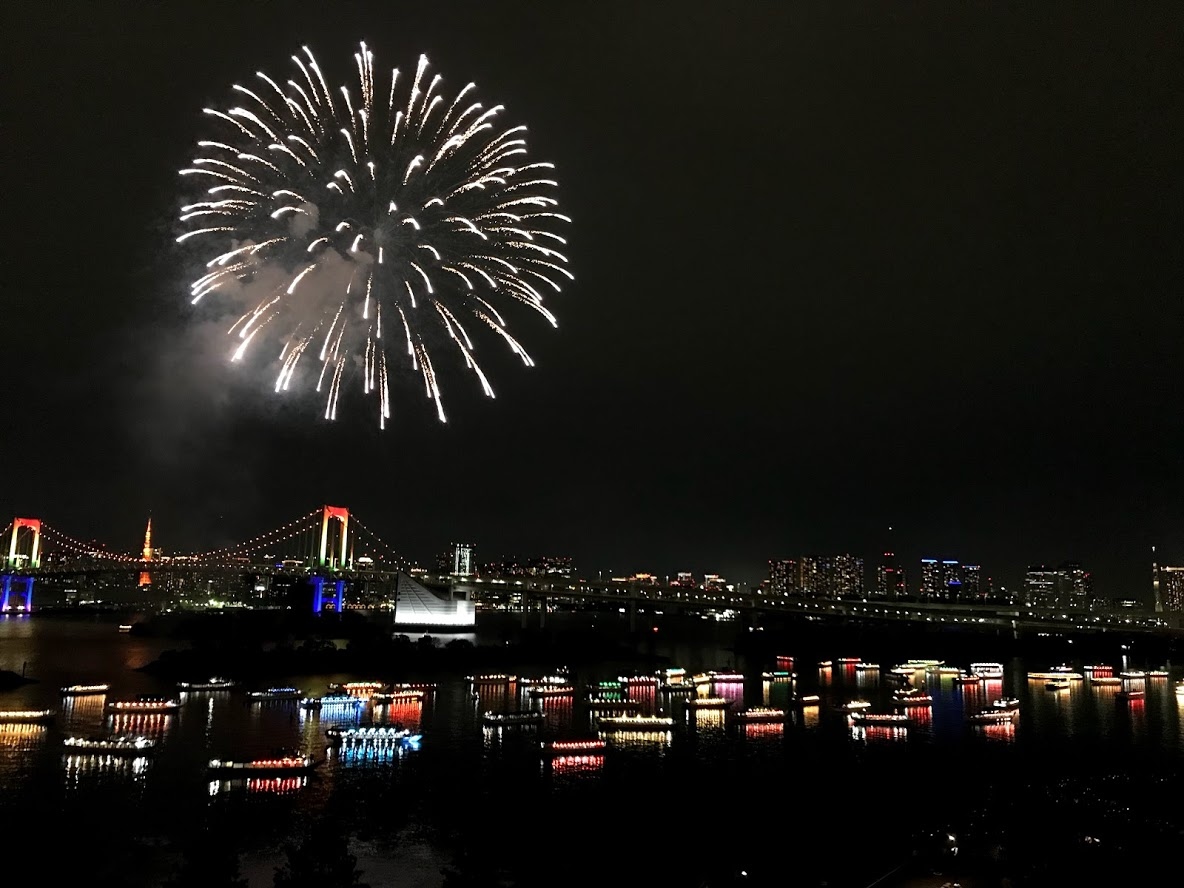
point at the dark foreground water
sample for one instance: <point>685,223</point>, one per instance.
<point>1080,790</point>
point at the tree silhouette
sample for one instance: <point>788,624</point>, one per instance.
<point>320,860</point>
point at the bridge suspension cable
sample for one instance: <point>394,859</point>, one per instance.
<point>389,549</point>
<point>78,547</point>
<point>278,535</point>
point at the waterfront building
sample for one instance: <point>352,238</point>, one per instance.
<point>1170,581</point>
<point>891,581</point>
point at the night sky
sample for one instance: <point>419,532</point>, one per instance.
<point>839,268</point>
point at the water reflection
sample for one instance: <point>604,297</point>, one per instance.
<point>79,768</point>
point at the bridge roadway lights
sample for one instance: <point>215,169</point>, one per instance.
<point>6,590</point>
<point>319,600</point>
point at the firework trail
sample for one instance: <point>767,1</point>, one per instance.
<point>359,226</point>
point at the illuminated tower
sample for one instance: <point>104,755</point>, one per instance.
<point>145,577</point>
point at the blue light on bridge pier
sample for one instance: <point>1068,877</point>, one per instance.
<point>10,583</point>
<point>320,600</point>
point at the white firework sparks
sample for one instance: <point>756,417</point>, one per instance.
<point>332,209</point>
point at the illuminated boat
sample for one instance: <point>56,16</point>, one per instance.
<point>374,734</point>
<point>638,681</point>
<point>675,675</point>
<point>281,765</point>
<point>555,691</point>
<point>778,675</point>
<point>636,723</point>
<point>1061,685</point>
<point>867,667</point>
<point>994,717</point>
<point>615,705</point>
<point>968,678</point>
<point>25,716</point>
<point>1054,675</point>
<point>945,670</point>
<point>825,664</point>
<point>85,690</point>
<point>1006,704</point>
<point>125,627</point>
<point>400,696</point>
<point>759,715</point>
<point>709,703</point>
<point>332,701</point>
<point>1157,673</point>
<point>685,690</point>
<point>555,748</point>
<point>854,706</point>
<point>210,684</point>
<point>143,706</point>
<point>987,670</point>
<point>521,717</point>
<point>277,694</point>
<point>1106,680</point>
<point>809,700</point>
<point>848,660</point>
<point>357,688</point>
<point>118,745</point>
<point>880,719</point>
<point>1130,694</point>
<point>917,700</point>
<point>923,664</point>
<point>492,678</point>
<point>1097,670</point>
<point>1134,676</point>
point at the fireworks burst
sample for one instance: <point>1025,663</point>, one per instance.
<point>362,225</point>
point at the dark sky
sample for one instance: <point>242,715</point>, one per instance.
<point>839,267</point>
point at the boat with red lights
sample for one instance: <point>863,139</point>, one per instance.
<point>277,766</point>
<point>399,696</point>
<point>25,716</point>
<point>557,748</point>
<point>760,715</point>
<point>358,688</point>
<point>144,706</point>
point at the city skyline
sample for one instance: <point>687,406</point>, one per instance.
<point>836,270</point>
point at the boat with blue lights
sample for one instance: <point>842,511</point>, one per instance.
<point>373,734</point>
<point>332,701</point>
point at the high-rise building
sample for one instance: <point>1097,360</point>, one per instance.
<point>1040,586</point>
<point>461,562</point>
<point>1075,588</point>
<point>949,580</point>
<point>784,577</point>
<point>1171,587</point>
<point>891,581</point>
<point>972,583</point>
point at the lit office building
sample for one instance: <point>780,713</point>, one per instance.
<point>1170,581</point>
<point>784,577</point>
<point>890,578</point>
<point>1040,586</point>
<point>946,580</point>
<point>1075,588</point>
<point>461,562</point>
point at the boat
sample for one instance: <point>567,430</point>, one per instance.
<point>1006,704</point>
<point>277,694</point>
<point>918,700</point>
<point>525,717</point>
<point>399,696</point>
<point>688,690</point>
<point>867,667</point>
<point>760,715</point>
<point>492,678</point>
<point>879,719</point>
<point>1106,680</point>
<point>85,690</point>
<point>987,670</point>
<point>556,748</point>
<point>846,660</point>
<point>825,664</point>
<point>1098,670</point>
<point>357,688</point>
<point>144,706</point>
<point>645,681</point>
<point>1055,675</point>
<point>210,684</point>
<point>968,678</point>
<point>555,691</point>
<point>709,703</point>
<point>281,765</point>
<point>1061,685</point>
<point>117,745</point>
<point>1130,694</point>
<point>25,716</point>
<point>1134,675</point>
<point>994,716</point>
<point>340,701</point>
<point>374,734</point>
<point>778,675</point>
<point>125,627</point>
<point>1157,673</point>
<point>616,705</point>
<point>640,723</point>
<point>855,706</point>
<point>809,700</point>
